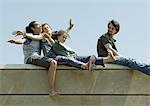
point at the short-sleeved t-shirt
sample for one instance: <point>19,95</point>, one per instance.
<point>105,39</point>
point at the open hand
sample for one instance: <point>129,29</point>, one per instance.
<point>18,32</point>
<point>70,24</point>
<point>45,35</point>
<point>11,41</point>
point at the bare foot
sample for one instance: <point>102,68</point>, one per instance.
<point>85,66</point>
<point>54,93</point>
<point>91,63</point>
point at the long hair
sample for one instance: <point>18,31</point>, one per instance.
<point>28,28</point>
<point>56,34</point>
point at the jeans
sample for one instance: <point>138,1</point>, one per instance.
<point>63,60</point>
<point>132,63</point>
<point>85,59</point>
<point>77,61</point>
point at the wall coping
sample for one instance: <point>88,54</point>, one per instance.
<point>62,67</point>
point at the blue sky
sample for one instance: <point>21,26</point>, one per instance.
<point>90,18</point>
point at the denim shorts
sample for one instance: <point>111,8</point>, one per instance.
<point>40,61</point>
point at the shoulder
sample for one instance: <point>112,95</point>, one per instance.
<point>103,37</point>
<point>56,43</point>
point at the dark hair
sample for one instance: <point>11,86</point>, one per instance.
<point>115,24</point>
<point>28,28</point>
<point>58,33</point>
<point>44,25</point>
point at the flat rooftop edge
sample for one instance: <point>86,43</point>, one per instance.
<point>64,67</point>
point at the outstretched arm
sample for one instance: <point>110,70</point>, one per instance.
<point>17,41</point>
<point>34,37</point>
<point>28,35</point>
<point>70,25</point>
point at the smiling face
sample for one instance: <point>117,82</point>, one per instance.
<point>111,29</point>
<point>46,28</point>
<point>37,28</point>
<point>62,38</point>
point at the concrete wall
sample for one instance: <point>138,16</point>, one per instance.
<point>27,85</point>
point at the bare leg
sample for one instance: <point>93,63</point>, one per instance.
<point>51,77</point>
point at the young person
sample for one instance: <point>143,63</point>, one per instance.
<point>60,49</point>
<point>60,59</point>
<point>106,45</point>
<point>32,54</point>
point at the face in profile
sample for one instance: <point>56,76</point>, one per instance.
<point>62,38</point>
<point>111,29</point>
<point>37,27</point>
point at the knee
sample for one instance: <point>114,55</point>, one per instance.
<point>53,63</point>
<point>93,57</point>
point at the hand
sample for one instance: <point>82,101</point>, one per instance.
<point>18,33</point>
<point>11,41</point>
<point>45,35</point>
<point>70,24</point>
<point>110,52</point>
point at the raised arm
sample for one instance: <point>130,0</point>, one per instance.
<point>70,26</point>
